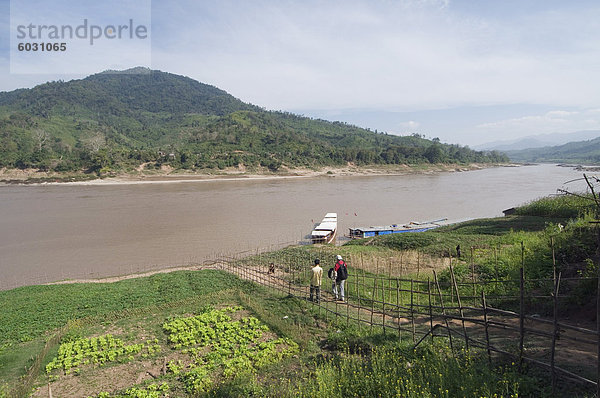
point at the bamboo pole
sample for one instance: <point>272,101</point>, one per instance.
<point>450,266</point>
<point>373,300</point>
<point>598,337</point>
<point>430,308</point>
<point>347,304</point>
<point>412,311</point>
<point>486,327</point>
<point>398,308</point>
<point>401,256</point>
<point>521,319</point>
<point>555,335</point>
<point>460,309</point>
<point>553,259</point>
<point>443,310</point>
<point>473,279</point>
<point>383,305</point>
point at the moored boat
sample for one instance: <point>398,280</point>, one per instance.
<point>413,226</point>
<point>326,230</point>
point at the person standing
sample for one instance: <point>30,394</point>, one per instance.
<point>315,281</point>
<point>341,274</point>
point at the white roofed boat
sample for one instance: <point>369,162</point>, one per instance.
<point>326,230</point>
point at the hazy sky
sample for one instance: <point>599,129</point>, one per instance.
<point>467,72</point>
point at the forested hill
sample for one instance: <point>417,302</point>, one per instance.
<point>119,120</point>
<point>124,93</point>
<point>587,152</point>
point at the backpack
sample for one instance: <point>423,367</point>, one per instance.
<point>330,273</point>
<point>343,271</point>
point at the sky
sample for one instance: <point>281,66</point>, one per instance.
<point>467,72</point>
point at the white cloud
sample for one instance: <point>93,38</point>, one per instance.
<point>409,127</point>
<point>557,121</point>
<point>403,55</point>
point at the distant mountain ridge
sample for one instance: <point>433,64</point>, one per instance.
<point>587,152</point>
<point>119,120</point>
<point>539,141</point>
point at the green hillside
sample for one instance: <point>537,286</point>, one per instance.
<point>119,120</point>
<point>574,152</point>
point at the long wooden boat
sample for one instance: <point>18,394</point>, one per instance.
<point>413,226</point>
<point>326,230</point>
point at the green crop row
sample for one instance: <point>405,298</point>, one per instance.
<point>152,391</point>
<point>221,346</point>
<point>97,350</point>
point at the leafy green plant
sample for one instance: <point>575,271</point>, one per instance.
<point>96,351</point>
<point>221,346</point>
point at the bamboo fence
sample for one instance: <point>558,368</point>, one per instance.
<point>500,317</point>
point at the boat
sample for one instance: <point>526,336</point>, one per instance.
<point>326,230</point>
<point>413,226</point>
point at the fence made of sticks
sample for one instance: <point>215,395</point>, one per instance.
<point>524,320</point>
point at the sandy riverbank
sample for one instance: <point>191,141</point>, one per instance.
<point>32,176</point>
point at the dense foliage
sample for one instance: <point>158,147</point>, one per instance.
<point>116,121</point>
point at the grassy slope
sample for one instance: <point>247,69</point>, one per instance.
<point>386,368</point>
<point>31,310</point>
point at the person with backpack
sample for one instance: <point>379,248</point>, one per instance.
<point>315,281</point>
<point>340,276</point>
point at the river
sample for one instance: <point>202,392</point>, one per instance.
<point>55,232</point>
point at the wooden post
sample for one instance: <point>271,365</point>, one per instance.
<point>358,299</point>
<point>398,308</point>
<point>412,311</point>
<point>462,315</point>
<point>598,337</point>
<point>418,263</point>
<point>430,309</point>
<point>443,310</point>
<point>450,266</point>
<point>373,300</point>
<point>336,307</point>
<point>496,255</point>
<point>383,306</point>
<point>521,317</point>
<point>401,255</point>
<point>347,304</point>
<point>473,279</point>
<point>485,324</point>
<point>553,259</point>
<point>555,334</point>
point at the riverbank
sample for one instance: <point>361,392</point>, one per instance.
<point>169,175</point>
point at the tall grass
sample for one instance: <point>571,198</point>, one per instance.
<point>399,370</point>
<point>565,206</point>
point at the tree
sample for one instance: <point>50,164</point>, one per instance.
<point>41,137</point>
<point>434,153</point>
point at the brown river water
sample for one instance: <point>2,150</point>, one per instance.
<point>56,232</point>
